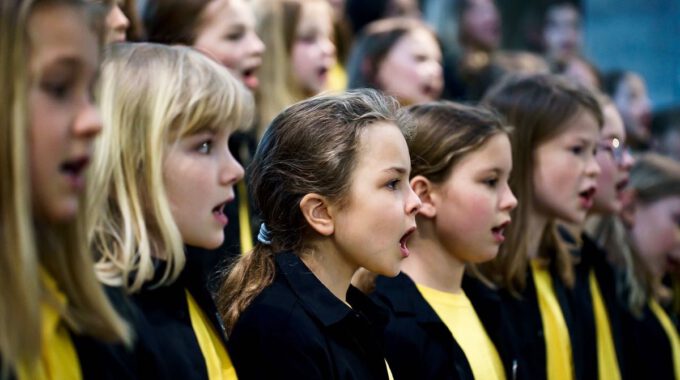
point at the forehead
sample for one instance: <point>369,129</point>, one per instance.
<point>314,14</point>
<point>613,124</point>
<point>583,125</point>
<point>229,11</point>
<point>417,39</point>
<point>494,154</point>
<point>382,145</point>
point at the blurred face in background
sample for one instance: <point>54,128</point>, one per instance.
<point>480,25</point>
<point>562,32</point>
<point>633,102</point>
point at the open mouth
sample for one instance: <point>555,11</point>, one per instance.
<point>249,76</point>
<point>74,167</point>
<point>404,241</point>
<point>587,197</point>
<point>621,185</point>
<point>498,232</point>
<point>322,72</point>
<point>218,213</point>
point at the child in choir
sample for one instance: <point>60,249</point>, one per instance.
<point>330,178</point>
<point>557,128</point>
<point>461,161</point>
<point>400,57</point>
<point>55,319</point>
<point>162,177</point>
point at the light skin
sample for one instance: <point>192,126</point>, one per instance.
<point>462,219</point>
<point>227,34</point>
<point>64,121</point>
<point>632,101</point>
<point>481,25</point>
<point>565,176</point>
<point>562,34</point>
<point>656,232</point>
<point>371,229</point>
<point>199,174</point>
<point>614,171</point>
<point>412,70</point>
<point>313,52</point>
<point>117,23</point>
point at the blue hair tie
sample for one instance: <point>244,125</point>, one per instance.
<point>264,236</point>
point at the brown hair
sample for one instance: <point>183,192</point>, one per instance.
<point>539,107</point>
<point>173,21</point>
<point>311,147</point>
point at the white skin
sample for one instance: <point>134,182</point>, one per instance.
<point>656,233</point>
<point>313,52</point>
<point>372,228</point>
<point>412,70</point>
<point>632,101</point>
<point>199,174</point>
<point>64,121</point>
<point>562,33</point>
<point>481,25</point>
<point>613,173</point>
<point>565,176</point>
<point>462,219</point>
<point>117,23</point>
<point>227,34</point>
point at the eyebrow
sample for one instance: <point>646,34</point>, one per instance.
<point>396,169</point>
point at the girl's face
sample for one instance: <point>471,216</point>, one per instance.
<point>228,35</point>
<point>481,24</point>
<point>63,120</point>
<point>371,229</point>
<point>632,101</point>
<point>656,232</point>
<point>313,52</point>
<point>199,174</point>
<point>117,23</point>
<point>412,70</point>
<point>565,171</point>
<point>473,205</point>
<point>562,33</point>
<point>615,163</point>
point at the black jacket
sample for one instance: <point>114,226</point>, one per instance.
<point>167,312</point>
<point>297,329</point>
<point>417,342</point>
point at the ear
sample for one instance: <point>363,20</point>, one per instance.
<point>314,208</point>
<point>424,190</point>
<point>627,213</point>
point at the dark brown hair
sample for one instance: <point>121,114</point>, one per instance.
<point>310,147</point>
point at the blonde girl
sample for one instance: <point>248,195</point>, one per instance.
<point>300,53</point>
<point>54,316</point>
<point>162,177</point>
<point>331,180</point>
<point>461,161</point>
<point>557,127</point>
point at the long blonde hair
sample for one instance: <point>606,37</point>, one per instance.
<point>29,245</point>
<point>151,96</point>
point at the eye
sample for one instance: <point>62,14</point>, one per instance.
<point>234,36</point>
<point>491,182</point>
<point>576,150</point>
<point>393,184</point>
<point>205,147</point>
<point>57,90</point>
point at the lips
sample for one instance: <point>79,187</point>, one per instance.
<point>498,231</point>
<point>404,241</point>
<point>218,213</point>
<point>249,76</point>
<point>587,197</point>
<point>73,170</point>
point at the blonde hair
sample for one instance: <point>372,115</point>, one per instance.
<point>151,96</point>
<point>29,245</point>
<point>277,23</point>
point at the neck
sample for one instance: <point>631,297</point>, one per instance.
<point>430,264</point>
<point>535,227</point>
<point>330,267</point>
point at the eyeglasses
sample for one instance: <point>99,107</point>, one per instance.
<point>617,150</point>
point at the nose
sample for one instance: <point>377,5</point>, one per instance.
<point>88,122</point>
<point>328,47</point>
<point>117,19</point>
<point>592,167</point>
<point>508,199</point>
<point>257,46</point>
<point>231,171</point>
<point>413,203</point>
<point>627,161</point>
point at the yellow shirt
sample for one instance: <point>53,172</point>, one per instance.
<point>245,234</point>
<point>337,78</point>
<point>557,341</point>
<point>217,359</point>
<point>457,313</point>
<point>607,363</point>
<point>58,359</point>
<point>671,332</point>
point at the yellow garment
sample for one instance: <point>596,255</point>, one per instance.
<point>58,359</point>
<point>246,235</point>
<point>337,78</point>
<point>555,332</point>
<point>459,316</point>
<point>607,363</point>
<point>671,332</point>
<point>389,371</point>
<point>217,359</point>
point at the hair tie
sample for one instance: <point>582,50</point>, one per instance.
<point>264,236</point>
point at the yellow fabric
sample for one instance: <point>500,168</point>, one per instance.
<point>217,359</point>
<point>555,332</point>
<point>246,235</point>
<point>671,332</point>
<point>58,358</point>
<point>459,316</point>
<point>389,371</point>
<point>337,78</point>
<point>607,363</point>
